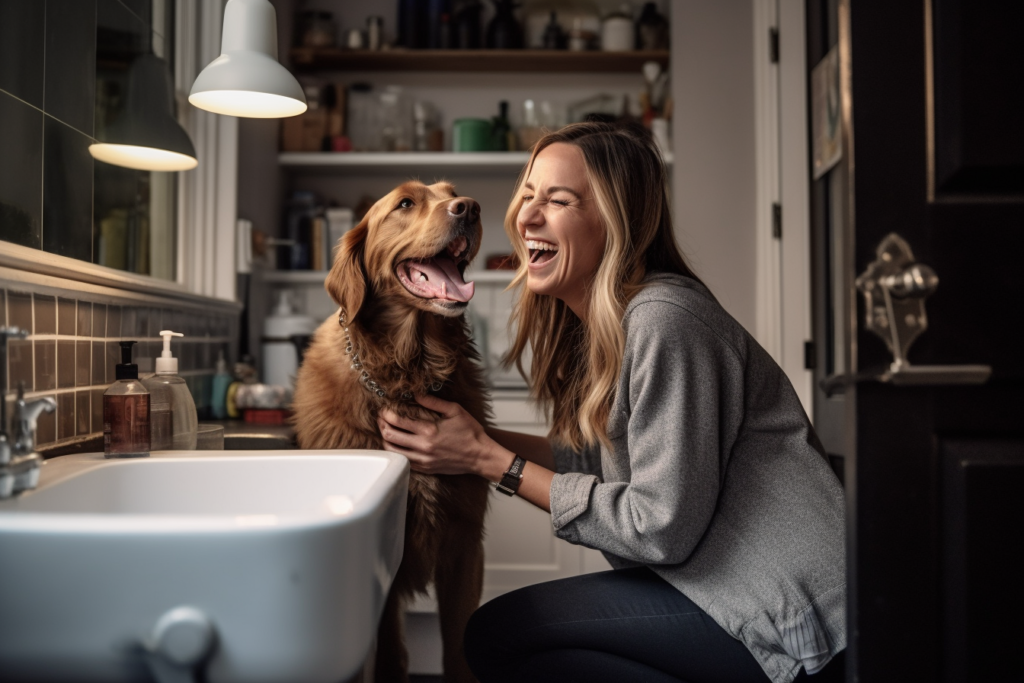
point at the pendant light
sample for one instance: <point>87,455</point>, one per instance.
<point>146,136</point>
<point>247,80</point>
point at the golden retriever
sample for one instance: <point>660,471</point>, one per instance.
<point>398,279</point>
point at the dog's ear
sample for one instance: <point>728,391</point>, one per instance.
<point>347,282</point>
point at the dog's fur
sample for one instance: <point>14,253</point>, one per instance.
<point>406,344</point>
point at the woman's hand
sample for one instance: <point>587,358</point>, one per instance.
<point>457,444</point>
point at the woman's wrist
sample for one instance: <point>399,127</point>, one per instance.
<point>494,461</point>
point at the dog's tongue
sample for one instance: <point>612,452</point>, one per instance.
<point>440,271</point>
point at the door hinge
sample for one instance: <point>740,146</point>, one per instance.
<point>773,45</point>
<point>777,220</point>
<point>810,356</point>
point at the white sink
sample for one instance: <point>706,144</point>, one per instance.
<point>288,554</point>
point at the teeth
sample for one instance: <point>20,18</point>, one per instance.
<point>421,278</point>
<point>542,246</point>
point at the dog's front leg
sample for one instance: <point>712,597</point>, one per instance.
<point>392,660</point>
<point>458,580</point>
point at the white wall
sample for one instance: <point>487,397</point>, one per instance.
<point>714,188</point>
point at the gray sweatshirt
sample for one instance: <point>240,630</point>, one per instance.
<point>716,481</point>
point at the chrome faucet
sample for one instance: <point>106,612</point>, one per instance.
<point>19,463</point>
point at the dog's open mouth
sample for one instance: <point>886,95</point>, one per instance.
<point>440,276</point>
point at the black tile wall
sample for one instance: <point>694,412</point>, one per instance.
<point>22,24</point>
<point>21,169</point>
<point>73,348</point>
<point>64,72</point>
<point>67,191</point>
<point>71,54</point>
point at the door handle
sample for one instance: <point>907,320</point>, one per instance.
<point>895,287</point>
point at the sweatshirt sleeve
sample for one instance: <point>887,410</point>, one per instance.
<point>680,376</point>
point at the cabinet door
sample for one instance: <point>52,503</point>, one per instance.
<point>520,547</point>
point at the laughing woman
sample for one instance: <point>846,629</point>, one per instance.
<point>678,448</point>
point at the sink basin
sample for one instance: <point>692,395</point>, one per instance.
<point>288,554</point>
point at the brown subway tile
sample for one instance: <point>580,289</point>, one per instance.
<point>113,355</point>
<point>83,364</point>
<point>65,415</point>
<point>97,410</point>
<point>141,323</point>
<point>113,321</point>
<point>66,316</point>
<point>19,310</point>
<point>19,365</point>
<point>83,413</point>
<point>46,315</point>
<point>99,320</point>
<point>46,365</point>
<point>46,428</point>
<point>84,319</point>
<point>65,363</point>
<point>99,356</point>
<point>129,321</point>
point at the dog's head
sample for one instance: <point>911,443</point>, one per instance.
<point>415,244</point>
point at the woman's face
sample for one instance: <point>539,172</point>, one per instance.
<point>561,226</point>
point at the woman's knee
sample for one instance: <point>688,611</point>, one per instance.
<point>483,643</point>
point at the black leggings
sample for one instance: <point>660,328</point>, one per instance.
<point>623,626</point>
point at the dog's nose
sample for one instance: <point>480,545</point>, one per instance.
<point>464,207</point>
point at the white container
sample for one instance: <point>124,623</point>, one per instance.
<point>284,334</point>
<point>617,31</point>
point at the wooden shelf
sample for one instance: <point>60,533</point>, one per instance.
<point>291,277</point>
<point>406,162</point>
<point>549,61</point>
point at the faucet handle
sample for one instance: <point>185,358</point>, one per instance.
<point>26,414</point>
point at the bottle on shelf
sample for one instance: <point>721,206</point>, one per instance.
<point>502,139</point>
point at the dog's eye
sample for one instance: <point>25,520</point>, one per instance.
<point>406,204</point>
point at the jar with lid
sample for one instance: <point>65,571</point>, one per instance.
<point>617,33</point>
<point>317,29</point>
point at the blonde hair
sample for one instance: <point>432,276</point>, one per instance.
<point>575,368</point>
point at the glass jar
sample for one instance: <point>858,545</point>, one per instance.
<point>317,29</point>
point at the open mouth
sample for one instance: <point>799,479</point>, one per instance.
<point>440,276</point>
<point>541,252</point>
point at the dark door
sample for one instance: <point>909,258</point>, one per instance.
<point>933,98</point>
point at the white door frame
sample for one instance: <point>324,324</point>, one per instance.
<point>781,132</point>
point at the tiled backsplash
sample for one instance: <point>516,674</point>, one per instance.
<point>72,350</point>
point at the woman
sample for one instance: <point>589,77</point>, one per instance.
<point>678,448</point>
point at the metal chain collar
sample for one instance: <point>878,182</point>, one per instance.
<point>364,377</point>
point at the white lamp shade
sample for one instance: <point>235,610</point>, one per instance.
<point>247,80</point>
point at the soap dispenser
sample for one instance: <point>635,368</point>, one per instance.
<point>174,419</point>
<point>126,432</point>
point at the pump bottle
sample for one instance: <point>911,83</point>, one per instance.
<point>175,424</point>
<point>126,431</point>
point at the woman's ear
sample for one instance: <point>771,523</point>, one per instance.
<point>346,283</point>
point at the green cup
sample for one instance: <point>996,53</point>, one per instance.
<point>471,135</point>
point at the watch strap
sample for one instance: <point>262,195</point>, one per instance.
<point>513,476</point>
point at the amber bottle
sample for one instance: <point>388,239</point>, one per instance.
<point>126,431</point>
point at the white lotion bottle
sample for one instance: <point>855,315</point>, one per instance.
<point>174,422</point>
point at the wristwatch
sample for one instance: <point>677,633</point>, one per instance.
<point>510,481</point>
